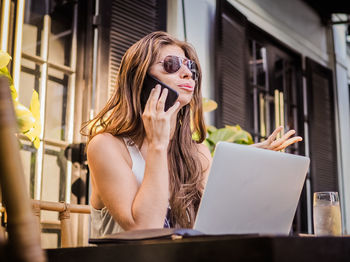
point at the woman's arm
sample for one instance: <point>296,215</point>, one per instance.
<point>131,206</point>
<point>113,181</point>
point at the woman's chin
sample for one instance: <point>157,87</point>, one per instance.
<point>184,99</point>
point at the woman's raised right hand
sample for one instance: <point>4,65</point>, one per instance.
<point>155,120</point>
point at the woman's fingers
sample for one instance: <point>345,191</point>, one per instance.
<point>273,136</point>
<point>288,134</point>
<point>156,100</point>
<point>147,106</point>
<point>275,144</point>
<point>281,140</point>
<point>161,101</point>
<point>272,143</point>
<point>153,98</point>
<point>172,109</point>
<point>289,142</point>
<point>284,141</point>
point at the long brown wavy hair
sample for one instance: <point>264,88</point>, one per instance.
<point>122,117</point>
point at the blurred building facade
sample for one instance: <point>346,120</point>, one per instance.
<point>267,63</point>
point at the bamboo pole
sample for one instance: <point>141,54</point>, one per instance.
<point>66,233</point>
<point>61,206</point>
<point>23,230</point>
<point>37,213</point>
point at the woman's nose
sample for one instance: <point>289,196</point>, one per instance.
<point>185,72</point>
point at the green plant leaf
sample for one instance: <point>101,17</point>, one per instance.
<point>28,120</point>
<point>211,129</point>
<point>25,119</point>
<point>222,134</point>
<point>4,58</point>
<point>34,108</point>
<point>35,105</point>
<point>241,136</point>
<point>13,93</point>
<point>36,142</point>
<point>4,72</point>
<point>210,145</point>
<point>234,134</point>
<point>195,136</point>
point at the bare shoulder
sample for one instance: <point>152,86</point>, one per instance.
<point>104,145</point>
<point>110,165</point>
<point>102,140</point>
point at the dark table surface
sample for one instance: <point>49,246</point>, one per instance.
<point>213,248</point>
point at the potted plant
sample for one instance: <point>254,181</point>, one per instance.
<point>233,134</point>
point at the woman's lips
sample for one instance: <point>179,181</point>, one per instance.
<point>187,87</point>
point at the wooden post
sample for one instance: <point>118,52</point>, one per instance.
<point>66,234</point>
<point>24,233</point>
<point>37,212</point>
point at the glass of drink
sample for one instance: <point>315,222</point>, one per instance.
<point>327,218</point>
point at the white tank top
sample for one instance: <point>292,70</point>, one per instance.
<point>102,223</point>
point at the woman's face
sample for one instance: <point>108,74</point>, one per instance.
<point>181,80</point>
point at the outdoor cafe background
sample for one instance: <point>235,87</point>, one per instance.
<point>264,64</point>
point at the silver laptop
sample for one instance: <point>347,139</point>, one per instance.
<point>251,190</point>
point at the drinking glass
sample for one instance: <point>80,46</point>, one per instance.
<point>327,218</point>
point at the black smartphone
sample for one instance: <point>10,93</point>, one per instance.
<point>151,82</point>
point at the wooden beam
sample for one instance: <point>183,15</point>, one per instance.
<point>23,229</point>
<point>61,206</point>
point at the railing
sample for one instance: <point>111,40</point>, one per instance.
<point>64,210</point>
<point>22,227</point>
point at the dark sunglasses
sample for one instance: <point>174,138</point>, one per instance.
<point>172,64</point>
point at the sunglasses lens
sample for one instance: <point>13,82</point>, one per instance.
<point>171,64</point>
<point>193,68</point>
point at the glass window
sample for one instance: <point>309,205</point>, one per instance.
<point>28,157</point>
<point>33,26</point>
<point>29,80</point>
<point>272,77</point>
<point>262,99</point>
<point>54,175</point>
<point>48,28</point>
<point>56,105</point>
<point>47,48</point>
<point>61,34</point>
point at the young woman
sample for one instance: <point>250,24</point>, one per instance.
<point>146,170</point>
